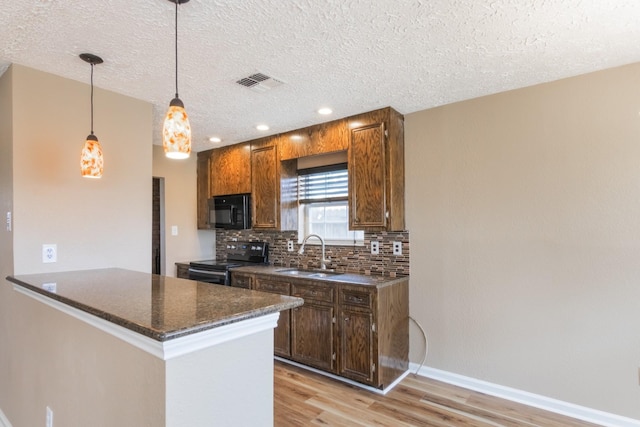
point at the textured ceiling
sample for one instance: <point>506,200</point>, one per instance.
<point>350,55</point>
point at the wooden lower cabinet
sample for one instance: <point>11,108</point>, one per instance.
<point>360,332</point>
<point>312,326</point>
<point>357,345</point>
<point>182,271</point>
<point>282,332</point>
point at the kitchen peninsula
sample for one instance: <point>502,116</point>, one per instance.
<point>194,353</point>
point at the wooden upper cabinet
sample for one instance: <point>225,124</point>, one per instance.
<point>376,171</point>
<point>203,189</point>
<point>265,185</point>
<point>274,201</point>
<point>319,139</point>
<point>230,170</point>
<point>367,177</point>
<point>267,168</point>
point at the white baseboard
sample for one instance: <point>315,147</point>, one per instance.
<point>344,380</point>
<point>553,405</point>
<point>4,421</point>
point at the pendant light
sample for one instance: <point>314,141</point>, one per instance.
<point>176,131</point>
<point>91,161</point>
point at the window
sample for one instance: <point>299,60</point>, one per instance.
<point>324,207</point>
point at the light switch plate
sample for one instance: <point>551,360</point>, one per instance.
<point>375,247</point>
<point>174,230</point>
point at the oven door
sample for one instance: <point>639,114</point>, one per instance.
<point>209,276</point>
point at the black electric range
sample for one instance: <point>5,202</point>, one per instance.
<point>238,254</point>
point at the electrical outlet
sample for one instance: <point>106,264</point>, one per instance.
<point>174,230</point>
<point>290,245</point>
<point>8,221</point>
<point>50,287</point>
<point>49,421</point>
<point>397,248</point>
<point>375,247</point>
<point>49,253</point>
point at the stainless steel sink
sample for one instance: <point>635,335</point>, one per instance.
<point>307,273</point>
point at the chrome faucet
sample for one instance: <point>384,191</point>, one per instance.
<point>323,260</point>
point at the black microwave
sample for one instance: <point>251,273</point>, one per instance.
<point>230,212</point>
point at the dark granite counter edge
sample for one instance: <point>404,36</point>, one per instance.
<point>291,302</point>
<point>343,278</point>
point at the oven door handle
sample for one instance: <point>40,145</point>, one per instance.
<point>208,272</point>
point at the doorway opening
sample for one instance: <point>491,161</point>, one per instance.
<point>157,233</point>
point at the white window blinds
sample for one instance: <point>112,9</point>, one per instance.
<point>323,184</point>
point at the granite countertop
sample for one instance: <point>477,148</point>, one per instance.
<point>342,278</point>
<point>162,308</point>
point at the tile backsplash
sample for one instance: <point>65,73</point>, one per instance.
<point>347,258</point>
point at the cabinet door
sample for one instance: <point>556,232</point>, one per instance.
<point>265,185</point>
<point>281,334</point>
<point>323,138</point>
<point>357,345</point>
<point>203,189</point>
<point>312,338</point>
<point>367,174</point>
<point>231,170</point>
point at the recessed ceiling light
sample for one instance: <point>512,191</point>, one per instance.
<point>215,139</point>
<point>262,127</point>
<point>325,111</point>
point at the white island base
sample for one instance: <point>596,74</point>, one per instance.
<point>93,372</point>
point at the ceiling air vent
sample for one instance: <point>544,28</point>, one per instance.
<point>259,82</point>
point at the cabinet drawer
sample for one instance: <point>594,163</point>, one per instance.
<point>317,293</point>
<point>241,281</point>
<point>355,298</point>
<point>281,288</point>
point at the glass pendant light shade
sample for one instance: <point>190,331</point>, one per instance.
<point>176,131</point>
<point>91,160</point>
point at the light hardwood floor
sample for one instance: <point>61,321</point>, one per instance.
<point>304,398</point>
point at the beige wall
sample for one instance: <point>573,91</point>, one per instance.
<point>95,223</point>
<point>180,210</point>
<point>6,237</point>
<point>524,213</point>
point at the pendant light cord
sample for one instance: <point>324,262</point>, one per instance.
<point>92,98</point>
<point>177,2</point>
